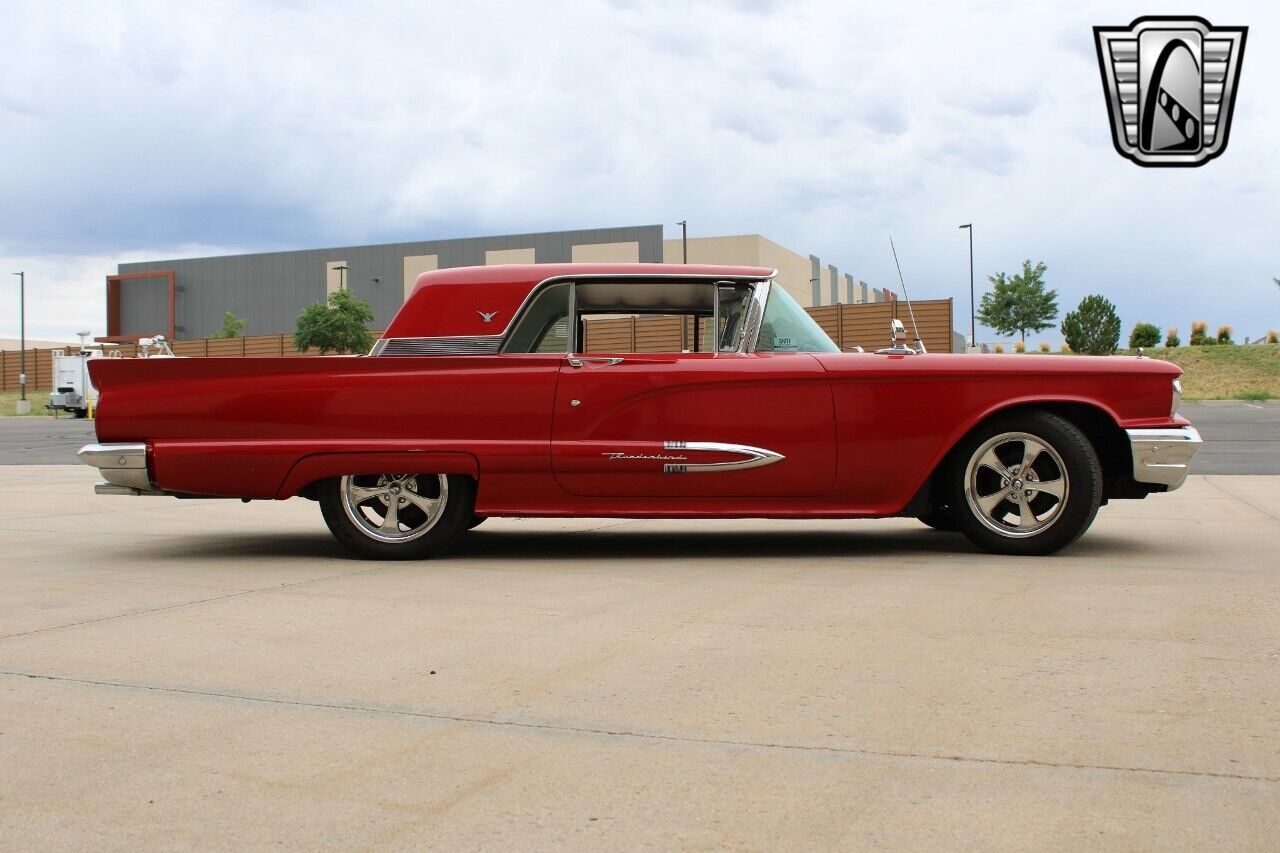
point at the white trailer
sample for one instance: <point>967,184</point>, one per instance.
<point>73,391</point>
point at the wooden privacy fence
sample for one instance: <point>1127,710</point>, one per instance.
<point>863,325</point>
<point>40,361</point>
<point>866,325</point>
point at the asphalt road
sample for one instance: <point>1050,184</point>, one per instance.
<point>1240,438</point>
<point>209,674</point>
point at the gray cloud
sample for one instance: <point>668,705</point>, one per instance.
<point>140,129</point>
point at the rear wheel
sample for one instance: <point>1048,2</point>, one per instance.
<point>1028,483</point>
<point>398,516</point>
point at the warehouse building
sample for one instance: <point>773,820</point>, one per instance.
<point>187,298</point>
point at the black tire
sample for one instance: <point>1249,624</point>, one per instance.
<point>1053,523</point>
<point>476,521</point>
<point>454,518</point>
<point>939,518</point>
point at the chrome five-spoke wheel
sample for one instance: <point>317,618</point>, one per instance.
<point>398,516</point>
<point>395,507</point>
<point>1026,482</point>
<point>1016,484</point>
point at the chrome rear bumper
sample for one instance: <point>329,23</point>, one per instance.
<point>123,467</point>
<point>1163,456</point>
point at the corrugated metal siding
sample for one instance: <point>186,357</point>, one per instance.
<point>146,310</point>
<point>269,290</point>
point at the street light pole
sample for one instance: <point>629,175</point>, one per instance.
<point>22,342</point>
<point>342,276</point>
<point>684,238</point>
<point>973,325</point>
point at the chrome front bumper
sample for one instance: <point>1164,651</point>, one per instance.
<point>123,467</point>
<point>1163,456</point>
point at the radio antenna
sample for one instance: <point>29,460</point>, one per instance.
<point>914,328</point>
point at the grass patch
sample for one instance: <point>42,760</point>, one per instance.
<point>1226,372</point>
<point>1223,372</point>
<point>9,403</point>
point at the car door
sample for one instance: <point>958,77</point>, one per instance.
<point>693,425</point>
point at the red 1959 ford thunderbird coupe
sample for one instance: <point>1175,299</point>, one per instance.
<point>641,390</point>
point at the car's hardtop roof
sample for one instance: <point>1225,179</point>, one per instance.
<point>482,301</point>
<point>534,273</point>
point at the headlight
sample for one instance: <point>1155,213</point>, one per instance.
<point>1177,397</point>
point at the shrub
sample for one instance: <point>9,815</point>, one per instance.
<point>1255,395</point>
<point>1019,346</point>
<point>1144,335</point>
<point>1044,346</point>
<point>232,327</point>
<point>1273,337</point>
<point>1171,338</point>
<point>1064,348</point>
<point>1224,335</point>
<point>999,348</point>
<point>1199,333</point>
<point>340,324</point>
<point>1094,327</point>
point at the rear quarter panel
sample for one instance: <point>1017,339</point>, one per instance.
<point>237,427</point>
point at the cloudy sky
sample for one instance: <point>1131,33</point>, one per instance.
<point>148,130</point>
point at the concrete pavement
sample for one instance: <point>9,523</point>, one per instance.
<point>208,673</point>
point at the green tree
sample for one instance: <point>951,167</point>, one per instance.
<point>232,326</point>
<point>1144,335</point>
<point>1171,338</point>
<point>1093,328</point>
<point>1019,303</point>
<point>339,324</point>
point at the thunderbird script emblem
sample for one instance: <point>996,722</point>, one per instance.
<point>1170,84</point>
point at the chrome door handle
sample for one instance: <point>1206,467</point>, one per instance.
<point>580,361</point>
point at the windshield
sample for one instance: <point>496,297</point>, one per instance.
<point>787,327</point>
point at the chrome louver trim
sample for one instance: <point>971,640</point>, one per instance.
<point>756,457</point>
<point>456,345</point>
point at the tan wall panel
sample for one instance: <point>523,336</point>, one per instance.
<point>333,277</point>
<point>742,249</point>
<point>606,253</point>
<point>793,270</point>
<point>509,256</point>
<point>416,265</point>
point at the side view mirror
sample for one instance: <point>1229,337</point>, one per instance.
<point>897,331</point>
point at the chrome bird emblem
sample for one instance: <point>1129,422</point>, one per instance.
<point>487,316</point>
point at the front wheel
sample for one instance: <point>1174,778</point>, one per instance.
<point>398,516</point>
<point>1026,484</point>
